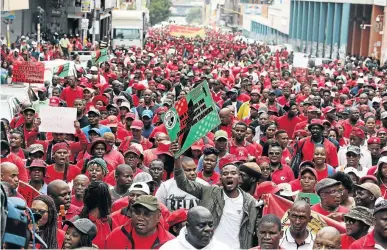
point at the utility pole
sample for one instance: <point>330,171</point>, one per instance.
<point>39,19</point>
<point>94,21</point>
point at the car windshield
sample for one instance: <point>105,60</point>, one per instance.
<point>126,34</point>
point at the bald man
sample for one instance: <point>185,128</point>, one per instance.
<point>10,174</point>
<point>124,178</point>
<point>60,192</point>
<point>225,116</point>
<point>298,234</point>
<point>198,232</point>
<point>327,238</point>
<point>81,182</point>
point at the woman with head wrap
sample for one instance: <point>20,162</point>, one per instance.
<point>61,169</point>
<point>97,169</point>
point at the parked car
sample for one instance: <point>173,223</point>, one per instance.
<point>24,93</point>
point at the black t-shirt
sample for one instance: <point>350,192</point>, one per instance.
<point>84,121</point>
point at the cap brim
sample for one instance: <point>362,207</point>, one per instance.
<point>135,127</point>
<point>217,138</point>
<point>151,208</point>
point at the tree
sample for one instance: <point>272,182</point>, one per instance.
<point>194,15</point>
<point>159,10</point>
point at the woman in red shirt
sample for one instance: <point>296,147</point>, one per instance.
<point>381,175</point>
<point>16,143</point>
<point>323,170</point>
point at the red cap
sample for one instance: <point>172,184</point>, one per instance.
<point>133,149</point>
<point>112,121</point>
<point>177,216</point>
<point>230,158</point>
<point>101,98</point>
<point>266,187</point>
<point>161,87</point>
<point>139,86</point>
<point>313,109</point>
<point>42,88</point>
<point>137,124</point>
<point>358,132</point>
<point>130,115</point>
<point>54,101</point>
<point>373,140</point>
<point>241,153</point>
<point>367,177</point>
<point>255,91</point>
<point>328,109</point>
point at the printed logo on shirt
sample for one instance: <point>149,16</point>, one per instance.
<point>176,202</point>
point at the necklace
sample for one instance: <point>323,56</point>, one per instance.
<point>120,195</point>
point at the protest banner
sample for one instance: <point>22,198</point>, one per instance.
<point>28,192</point>
<point>279,206</point>
<point>99,56</point>
<point>57,119</point>
<point>62,70</point>
<point>189,32</point>
<point>311,198</point>
<point>28,72</point>
<point>192,117</point>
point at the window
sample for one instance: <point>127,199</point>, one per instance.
<point>131,34</point>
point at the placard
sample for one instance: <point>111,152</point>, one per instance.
<point>28,72</point>
<point>192,117</point>
<point>57,119</point>
<point>28,192</point>
<point>99,56</point>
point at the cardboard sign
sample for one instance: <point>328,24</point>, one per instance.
<point>99,56</point>
<point>57,119</point>
<point>28,192</point>
<point>189,32</point>
<point>192,117</point>
<point>86,6</point>
<point>28,72</point>
<point>62,70</point>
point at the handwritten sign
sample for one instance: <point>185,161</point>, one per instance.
<point>57,119</point>
<point>189,32</point>
<point>28,72</point>
<point>28,192</point>
<point>192,117</point>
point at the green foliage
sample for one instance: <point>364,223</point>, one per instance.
<point>159,10</point>
<point>194,15</point>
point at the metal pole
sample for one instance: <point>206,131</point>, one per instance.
<point>38,31</point>
<point>85,33</point>
<point>94,21</point>
<point>8,35</point>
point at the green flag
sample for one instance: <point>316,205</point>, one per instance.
<point>99,56</point>
<point>62,70</point>
<point>192,117</point>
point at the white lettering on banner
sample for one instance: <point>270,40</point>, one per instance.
<point>57,119</point>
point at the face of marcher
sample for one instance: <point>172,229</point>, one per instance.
<point>230,178</point>
<point>381,224</point>
<point>72,238</point>
<point>269,236</point>
<point>144,220</point>
<point>201,230</point>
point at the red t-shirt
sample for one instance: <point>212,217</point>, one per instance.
<point>52,174</point>
<point>69,95</point>
<point>76,202</point>
<point>318,209</point>
<point>346,241</point>
<point>348,127</point>
<point>214,179</point>
<point>365,242</point>
<point>23,173</point>
<point>283,175</point>
<point>288,124</point>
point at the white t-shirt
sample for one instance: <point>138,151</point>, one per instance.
<point>230,222</point>
<point>174,198</point>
